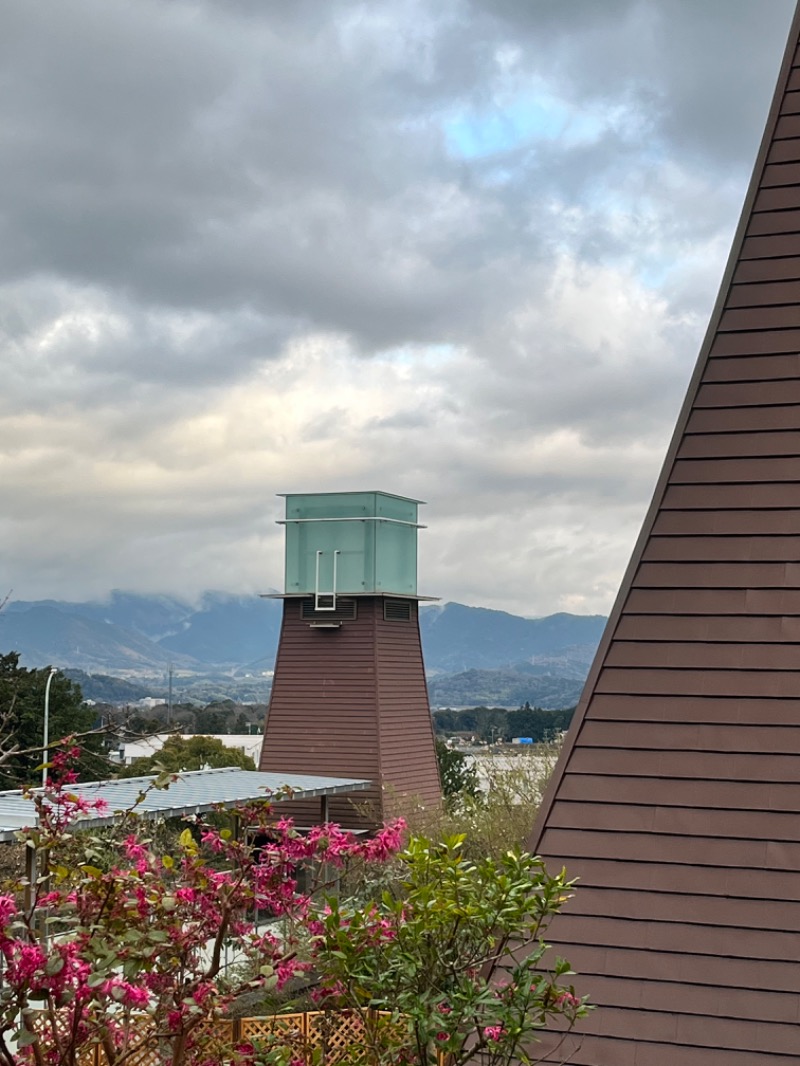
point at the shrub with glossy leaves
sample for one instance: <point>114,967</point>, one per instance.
<point>456,955</point>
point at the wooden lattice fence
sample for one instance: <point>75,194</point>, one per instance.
<point>340,1036</point>
<point>143,1050</point>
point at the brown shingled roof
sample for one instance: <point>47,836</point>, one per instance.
<point>677,798</point>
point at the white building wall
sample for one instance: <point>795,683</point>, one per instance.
<point>137,749</point>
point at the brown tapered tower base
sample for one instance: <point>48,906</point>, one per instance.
<point>349,699</point>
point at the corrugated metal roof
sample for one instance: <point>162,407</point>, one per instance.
<point>192,792</point>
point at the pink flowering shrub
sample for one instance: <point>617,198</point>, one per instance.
<point>454,957</point>
<point>119,946</point>
<point>113,944</point>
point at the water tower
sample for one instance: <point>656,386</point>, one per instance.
<point>349,697</point>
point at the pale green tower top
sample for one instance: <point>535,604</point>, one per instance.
<point>350,544</point>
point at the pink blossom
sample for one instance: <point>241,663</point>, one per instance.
<point>493,1033</point>
<point>386,842</point>
<point>567,1000</point>
<point>212,840</point>
<point>133,849</point>
<point>68,777</point>
<point>202,992</point>
<point>320,995</point>
<point>175,1019</point>
<point>64,756</point>
<point>23,961</point>
<point>285,971</point>
<point>8,909</point>
<point>130,995</point>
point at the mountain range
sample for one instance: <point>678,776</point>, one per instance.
<point>473,655</point>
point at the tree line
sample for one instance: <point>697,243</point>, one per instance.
<point>22,702</point>
<point>491,724</point>
<point>103,727</point>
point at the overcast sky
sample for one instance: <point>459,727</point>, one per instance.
<point>461,250</point>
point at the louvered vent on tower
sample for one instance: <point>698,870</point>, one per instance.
<point>397,610</point>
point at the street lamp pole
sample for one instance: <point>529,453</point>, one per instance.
<point>46,739</point>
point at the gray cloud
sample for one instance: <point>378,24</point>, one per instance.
<point>463,250</point>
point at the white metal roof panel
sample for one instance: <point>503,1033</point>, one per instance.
<point>192,792</point>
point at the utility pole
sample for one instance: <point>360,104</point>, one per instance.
<point>169,701</point>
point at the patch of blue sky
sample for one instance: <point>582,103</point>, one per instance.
<point>413,354</point>
<point>497,176</point>
<point>521,121</point>
<point>655,272</point>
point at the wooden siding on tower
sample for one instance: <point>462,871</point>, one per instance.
<point>677,798</point>
<point>352,702</point>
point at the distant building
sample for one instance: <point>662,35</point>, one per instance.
<point>140,749</point>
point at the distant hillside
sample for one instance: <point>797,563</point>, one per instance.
<point>46,634</point>
<point>503,688</point>
<point>139,636</point>
<point>228,629</point>
<point>226,644</point>
<point>456,637</point>
<point>104,689</point>
<point>153,617</point>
